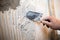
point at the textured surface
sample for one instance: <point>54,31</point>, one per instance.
<point>6,4</point>
<point>15,26</point>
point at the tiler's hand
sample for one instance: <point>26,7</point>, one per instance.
<point>52,22</point>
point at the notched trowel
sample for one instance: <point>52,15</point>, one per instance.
<point>34,16</point>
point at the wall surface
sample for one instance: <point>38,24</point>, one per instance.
<point>15,26</point>
<point>57,10</point>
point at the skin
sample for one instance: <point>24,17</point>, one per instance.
<point>53,22</point>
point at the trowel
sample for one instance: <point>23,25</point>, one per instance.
<point>34,16</point>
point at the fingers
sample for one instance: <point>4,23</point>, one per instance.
<point>47,23</point>
<point>48,18</point>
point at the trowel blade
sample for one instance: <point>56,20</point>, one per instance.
<point>34,16</point>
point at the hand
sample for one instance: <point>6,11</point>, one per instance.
<point>52,22</point>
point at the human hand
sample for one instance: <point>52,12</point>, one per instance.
<point>51,22</point>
